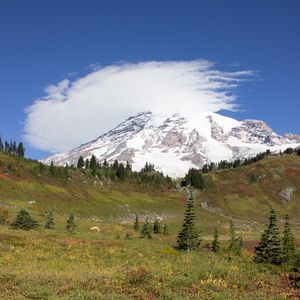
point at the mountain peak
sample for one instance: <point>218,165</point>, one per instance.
<point>175,143</point>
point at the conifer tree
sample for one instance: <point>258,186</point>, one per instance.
<point>1,145</point>
<point>50,221</point>
<point>136,225</point>
<point>87,163</point>
<point>24,221</point>
<point>52,169</point>
<point>20,150</point>
<point>80,163</point>
<point>93,163</point>
<point>288,243</point>
<point>165,230</point>
<point>188,238</point>
<point>156,227</point>
<point>269,249</point>
<point>70,226</point>
<point>215,246</point>
<point>121,172</point>
<point>146,230</point>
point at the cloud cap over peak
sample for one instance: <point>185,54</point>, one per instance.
<point>73,112</point>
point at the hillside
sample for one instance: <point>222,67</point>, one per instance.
<point>245,193</point>
<point>115,263</point>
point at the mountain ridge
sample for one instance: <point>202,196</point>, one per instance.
<point>175,143</point>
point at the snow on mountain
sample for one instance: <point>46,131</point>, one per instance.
<point>174,143</point>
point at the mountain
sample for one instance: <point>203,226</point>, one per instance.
<point>174,143</point>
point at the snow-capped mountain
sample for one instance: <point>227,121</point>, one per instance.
<point>174,143</point>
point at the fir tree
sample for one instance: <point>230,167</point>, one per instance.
<point>87,163</point>
<point>1,145</point>
<point>80,163</point>
<point>288,243</point>
<point>136,225</point>
<point>52,169</point>
<point>269,249</point>
<point>165,230</point>
<point>50,221</point>
<point>70,226</point>
<point>93,163</point>
<point>24,221</point>
<point>215,246</point>
<point>121,172</point>
<point>20,151</point>
<point>146,230</point>
<point>188,238</point>
<point>156,227</point>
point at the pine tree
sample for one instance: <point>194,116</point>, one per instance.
<point>156,227</point>
<point>93,163</point>
<point>50,221</point>
<point>288,243</point>
<point>215,246</point>
<point>20,150</point>
<point>136,225</point>
<point>146,230</point>
<point>80,163</point>
<point>121,172</point>
<point>188,238</point>
<point>70,226</point>
<point>269,249</point>
<point>165,230</point>
<point>24,221</point>
<point>52,169</point>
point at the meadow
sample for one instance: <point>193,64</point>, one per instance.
<point>116,263</point>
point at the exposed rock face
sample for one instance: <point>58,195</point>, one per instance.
<point>287,193</point>
<point>175,143</point>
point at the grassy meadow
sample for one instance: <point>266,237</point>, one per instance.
<point>115,263</point>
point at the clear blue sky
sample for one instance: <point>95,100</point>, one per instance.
<point>43,41</point>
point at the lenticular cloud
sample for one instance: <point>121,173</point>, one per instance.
<point>73,112</point>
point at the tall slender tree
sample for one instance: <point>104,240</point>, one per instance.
<point>215,246</point>
<point>269,249</point>
<point>136,225</point>
<point>156,226</point>
<point>288,243</point>
<point>188,238</point>
<point>146,230</point>
<point>70,223</point>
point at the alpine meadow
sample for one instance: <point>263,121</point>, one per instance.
<point>149,150</point>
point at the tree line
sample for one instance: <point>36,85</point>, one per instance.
<point>12,147</point>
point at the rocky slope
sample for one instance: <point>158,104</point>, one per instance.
<point>175,143</point>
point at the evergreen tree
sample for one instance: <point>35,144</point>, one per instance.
<point>128,167</point>
<point>52,169</point>
<point>93,163</point>
<point>288,243</point>
<point>50,221</point>
<point>188,238</point>
<point>70,226</point>
<point>195,179</point>
<point>20,151</point>
<point>215,246</point>
<point>80,163</point>
<point>165,230</point>
<point>24,221</point>
<point>115,165</point>
<point>156,227</point>
<point>269,249</point>
<point>136,225</point>
<point>121,172</point>
<point>236,243</point>
<point>146,230</point>
<point>87,163</point>
<point>105,163</point>
<point>1,145</point>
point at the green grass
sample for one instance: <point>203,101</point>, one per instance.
<point>45,264</point>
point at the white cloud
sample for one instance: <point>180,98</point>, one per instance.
<point>72,113</point>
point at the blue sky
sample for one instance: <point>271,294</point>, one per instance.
<point>43,42</point>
